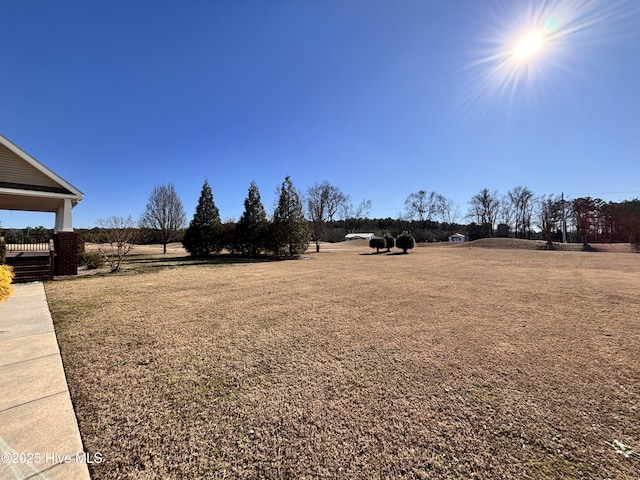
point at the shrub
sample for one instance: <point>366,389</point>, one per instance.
<point>377,243</point>
<point>389,242</point>
<point>121,235</point>
<point>6,275</point>
<point>91,260</point>
<point>3,252</point>
<point>81,243</point>
<point>405,241</point>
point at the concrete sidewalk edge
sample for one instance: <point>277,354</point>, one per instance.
<point>40,437</point>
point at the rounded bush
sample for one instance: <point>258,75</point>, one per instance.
<point>91,260</point>
<point>405,241</point>
<point>389,242</point>
<point>377,243</point>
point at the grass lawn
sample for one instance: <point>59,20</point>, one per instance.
<point>448,362</point>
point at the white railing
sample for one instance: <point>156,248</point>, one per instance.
<point>27,244</point>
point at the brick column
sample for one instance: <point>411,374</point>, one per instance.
<point>66,245</point>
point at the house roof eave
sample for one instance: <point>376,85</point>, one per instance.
<point>75,192</point>
<point>26,200</point>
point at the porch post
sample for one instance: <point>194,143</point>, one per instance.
<point>66,241</point>
<point>66,250</point>
<point>64,222</point>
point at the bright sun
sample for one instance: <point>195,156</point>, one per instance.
<point>528,46</point>
<point>529,42</point>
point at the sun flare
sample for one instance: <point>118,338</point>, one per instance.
<point>528,46</point>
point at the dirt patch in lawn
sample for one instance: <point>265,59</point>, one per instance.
<point>443,363</point>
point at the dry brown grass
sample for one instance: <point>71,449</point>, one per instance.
<point>449,362</point>
<point>521,244</point>
<point>174,248</point>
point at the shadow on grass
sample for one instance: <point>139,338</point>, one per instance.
<point>134,264</point>
<point>548,246</point>
<point>221,259</point>
<point>383,253</point>
<point>570,247</point>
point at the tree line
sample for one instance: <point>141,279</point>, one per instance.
<point>297,219</point>
<point>520,213</point>
<point>325,213</point>
<point>287,233</point>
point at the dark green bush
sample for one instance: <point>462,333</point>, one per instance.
<point>389,242</point>
<point>377,243</point>
<point>91,260</point>
<point>3,252</point>
<point>405,241</point>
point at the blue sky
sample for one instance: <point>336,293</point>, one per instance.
<point>380,98</point>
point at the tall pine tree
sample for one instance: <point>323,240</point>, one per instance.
<point>290,229</point>
<point>252,227</point>
<point>204,233</point>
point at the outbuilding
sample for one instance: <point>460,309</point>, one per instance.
<point>359,236</point>
<point>457,238</point>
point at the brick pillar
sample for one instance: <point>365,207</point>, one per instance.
<point>66,245</point>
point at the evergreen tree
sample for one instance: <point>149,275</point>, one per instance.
<point>377,243</point>
<point>204,233</point>
<point>405,241</point>
<point>252,226</point>
<point>389,241</point>
<point>290,230</point>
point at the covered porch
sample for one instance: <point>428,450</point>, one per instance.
<point>28,185</point>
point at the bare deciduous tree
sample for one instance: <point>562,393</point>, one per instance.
<point>350,212</point>
<point>449,211</point>
<point>316,201</point>
<point>550,216</point>
<point>334,200</point>
<point>120,235</point>
<point>585,215</point>
<point>484,208</point>
<point>522,203</point>
<point>506,214</point>
<point>164,214</point>
<point>424,205</point>
<point>322,202</point>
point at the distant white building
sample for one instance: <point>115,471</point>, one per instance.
<point>457,238</point>
<point>359,236</point>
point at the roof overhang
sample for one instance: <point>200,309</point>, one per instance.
<point>30,201</point>
<point>32,197</point>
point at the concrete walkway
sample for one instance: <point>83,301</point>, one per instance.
<point>39,436</point>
